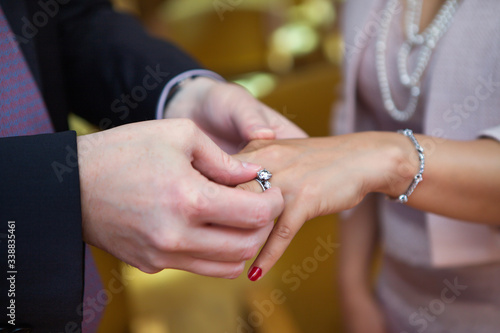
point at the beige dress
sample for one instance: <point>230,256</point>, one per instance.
<point>439,275</point>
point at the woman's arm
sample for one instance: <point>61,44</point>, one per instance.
<point>359,238</point>
<point>321,176</point>
<point>461,180</point>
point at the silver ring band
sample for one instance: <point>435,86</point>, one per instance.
<point>264,187</point>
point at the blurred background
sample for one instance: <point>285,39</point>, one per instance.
<point>288,54</point>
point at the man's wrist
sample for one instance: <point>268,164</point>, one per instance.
<point>176,88</point>
<point>162,103</point>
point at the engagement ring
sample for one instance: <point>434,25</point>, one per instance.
<point>262,178</point>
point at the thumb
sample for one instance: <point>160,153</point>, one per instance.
<point>252,122</point>
<point>217,165</point>
<point>256,121</point>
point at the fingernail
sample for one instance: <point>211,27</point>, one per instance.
<point>259,131</point>
<point>251,166</point>
<point>263,131</point>
<point>255,273</point>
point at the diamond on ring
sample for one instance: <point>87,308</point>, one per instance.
<point>264,174</point>
<point>262,178</point>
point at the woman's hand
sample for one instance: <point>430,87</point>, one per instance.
<point>320,176</point>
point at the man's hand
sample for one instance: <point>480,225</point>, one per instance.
<point>151,196</point>
<point>229,115</point>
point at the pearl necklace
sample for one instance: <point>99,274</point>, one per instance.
<point>426,40</point>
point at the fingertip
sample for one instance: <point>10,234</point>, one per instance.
<point>251,166</point>
<point>262,133</point>
<point>254,273</point>
<point>275,247</point>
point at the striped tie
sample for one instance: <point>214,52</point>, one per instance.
<point>23,112</point>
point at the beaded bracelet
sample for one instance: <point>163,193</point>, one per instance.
<point>403,198</point>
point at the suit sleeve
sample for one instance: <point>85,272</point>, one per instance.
<point>115,71</point>
<point>40,228</point>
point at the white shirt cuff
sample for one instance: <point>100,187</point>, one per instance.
<point>160,109</point>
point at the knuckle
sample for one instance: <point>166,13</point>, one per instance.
<point>262,214</point>
<point>166,242</point>
<point>283,232</point>
<point>235,272</point>
<point>187,127</point>
<point>272,256</point>
<point>250,252</point>
<point>193,204</point>
<point>210,191</point>
<point>187,132</point>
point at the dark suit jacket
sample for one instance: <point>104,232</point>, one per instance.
<point>102,65</point>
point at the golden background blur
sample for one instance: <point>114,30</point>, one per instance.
<point>288,54</point>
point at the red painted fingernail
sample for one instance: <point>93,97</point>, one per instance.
<point>255,273</point>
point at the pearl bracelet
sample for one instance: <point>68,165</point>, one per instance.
<point>403,198</point>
